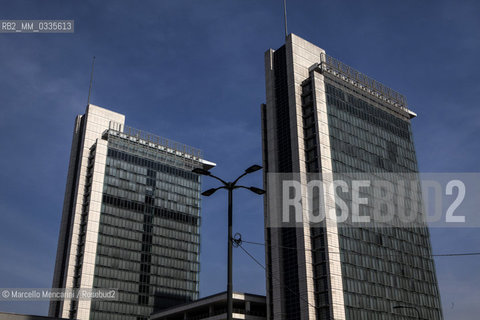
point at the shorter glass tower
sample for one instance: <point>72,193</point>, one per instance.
<point>130,221</point>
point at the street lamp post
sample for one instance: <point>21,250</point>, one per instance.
<point>408,307</point>
<point>230,186</point>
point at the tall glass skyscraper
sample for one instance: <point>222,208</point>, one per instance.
<point>130,220</point>
<point>323,118</point>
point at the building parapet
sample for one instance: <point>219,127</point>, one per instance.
<point>154,141</point>
<point>343,71</point>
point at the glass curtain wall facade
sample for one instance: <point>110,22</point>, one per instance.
<point>138,228</point>
<point>341,127</point>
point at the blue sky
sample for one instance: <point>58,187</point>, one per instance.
<point>192,71</point>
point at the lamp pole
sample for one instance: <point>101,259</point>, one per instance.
<point>408,307</point>
<point>230,257</point>
<point>230,186</point>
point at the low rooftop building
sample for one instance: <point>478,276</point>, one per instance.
<point>245,306</point>
<point>17,316</point>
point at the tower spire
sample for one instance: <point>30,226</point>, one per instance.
<point>91,81</point>
<point>285,16</point>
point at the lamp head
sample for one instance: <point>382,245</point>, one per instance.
<point>257,190</point>
<point>209,192</point>
<point>253,168</point>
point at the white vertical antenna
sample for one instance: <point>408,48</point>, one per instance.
<point>285,16</point>
<point>91,81</point>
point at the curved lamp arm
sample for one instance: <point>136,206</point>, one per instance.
<point>204,172</point>
<point>250,169</point>
<point>253,189</point>
<point>209,192</point>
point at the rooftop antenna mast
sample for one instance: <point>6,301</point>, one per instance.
<point>91,81</point>
<point>285,16</point>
